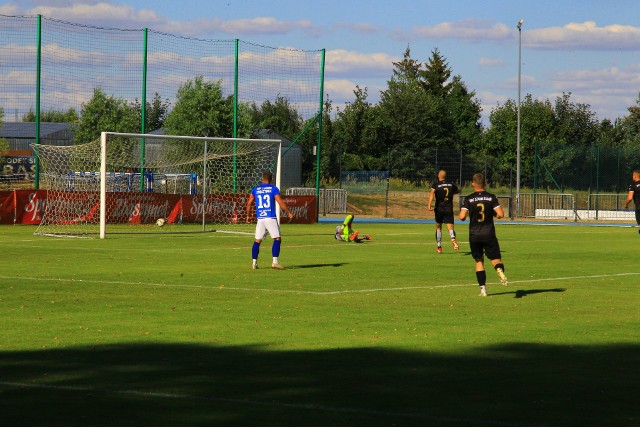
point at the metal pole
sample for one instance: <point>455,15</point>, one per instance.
<point>235,118</point>
<point>36,182</point>
<point>143,107</point>
<point>322,63</point>
<point>204,187</point>
<point>518,130</point>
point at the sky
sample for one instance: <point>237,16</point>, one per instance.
<point>588,48</point>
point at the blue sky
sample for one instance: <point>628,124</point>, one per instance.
<point>589,48</point>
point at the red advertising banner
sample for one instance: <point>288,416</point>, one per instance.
<point>27,207</point>
<point>7,207</point>
<point>303,208</point>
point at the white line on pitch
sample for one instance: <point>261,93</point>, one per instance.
<point>294,291</point>
<point>272,403</point>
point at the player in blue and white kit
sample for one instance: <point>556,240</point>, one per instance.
<point>265,197</point>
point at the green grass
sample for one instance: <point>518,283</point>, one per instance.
<point>178,330</point>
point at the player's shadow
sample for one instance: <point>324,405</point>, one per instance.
<point>521,293</point>
<point>334,264</point>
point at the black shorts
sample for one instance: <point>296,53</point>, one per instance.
<point>445,217</point>
<point>638,216</point>
<point>489,247</point>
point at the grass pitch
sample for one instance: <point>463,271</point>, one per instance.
<point>178,330</point>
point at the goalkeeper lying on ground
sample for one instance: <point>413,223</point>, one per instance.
<point>345,233</point>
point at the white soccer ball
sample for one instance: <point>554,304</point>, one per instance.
<point>160,222</point>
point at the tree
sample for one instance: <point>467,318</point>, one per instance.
<point>105,113</point>
<point>155,112</point>
<point>52,116</point>
<point>576,123</point>
<point>356,136</point>
<point>435,76</point>
<point>201,109</point>
<point>279,116</point>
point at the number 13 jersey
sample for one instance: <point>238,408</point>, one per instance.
<point>265,200</point>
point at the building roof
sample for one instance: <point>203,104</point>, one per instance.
<point>27,130</point>
<point>269,134</point>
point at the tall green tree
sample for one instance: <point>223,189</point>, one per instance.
<point>201,109</point>
<point>105,113</point>
<point>52,116</point>
<point>155,113</point>
<point>280,116</point>
<point>357,136</point>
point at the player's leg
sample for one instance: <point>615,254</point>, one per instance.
<point>638,219</point>
<point>481,275</point>
<point>438,231</point>
<point>493,253</point>
<point>452,232</point>
<point>259,236</point>
<point>274,231</point>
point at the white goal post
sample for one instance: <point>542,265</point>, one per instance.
<point>132,183</point>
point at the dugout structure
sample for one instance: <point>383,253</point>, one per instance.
<point>190,184</point>
<point>52,65</point>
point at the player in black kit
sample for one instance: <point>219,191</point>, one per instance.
<point>443,191</point>
<point>482,206</point>
<point>634,194</point>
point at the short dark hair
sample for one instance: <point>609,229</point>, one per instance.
<point>478,179</point>
<point>268,176</point>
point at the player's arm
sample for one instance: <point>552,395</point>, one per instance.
<point>283,205</point>
<point>498,212</point>
<point>463,213</point>
<point>431,199</point>
<point>249,204</point>
<point>629,199</point>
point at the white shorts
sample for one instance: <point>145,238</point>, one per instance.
<point>267,224</point>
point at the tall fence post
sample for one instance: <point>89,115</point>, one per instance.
<point>143,107</point>
<point>318,150</point>
<point>38,87</point>
<point>236,78</point>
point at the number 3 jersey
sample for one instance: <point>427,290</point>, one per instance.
<point>265,200</point>
<point>481,207</point>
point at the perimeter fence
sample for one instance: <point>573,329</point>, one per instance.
<point>558,181</point>
<point>48,65</point>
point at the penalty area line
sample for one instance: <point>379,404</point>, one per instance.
<point>262,403</point>
<point>303,292</point>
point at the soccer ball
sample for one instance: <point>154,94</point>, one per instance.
<point>160,222</point>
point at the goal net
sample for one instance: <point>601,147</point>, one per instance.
<point>145,183</point>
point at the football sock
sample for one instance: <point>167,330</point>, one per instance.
<point>275,260</point>
<point>275,249</point>
<point>452,233</point>
<point>255,250</point>
<point>439,237</point>
<point>500,265</point>
<point>482,277</point>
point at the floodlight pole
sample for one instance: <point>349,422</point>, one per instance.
<point>518,125</point>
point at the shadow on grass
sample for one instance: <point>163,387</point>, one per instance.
<point>175,384</point>
<point>521,293</point>
<point>334,264</point>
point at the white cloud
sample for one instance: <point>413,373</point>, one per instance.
<point>490,62</point>
<point>583,36</point>
<point>341,62</point>
<point>106,14</point>
<point>472,30</point>
<point>340,88</point>
<point>9,9</point>
<point>358,27</point>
